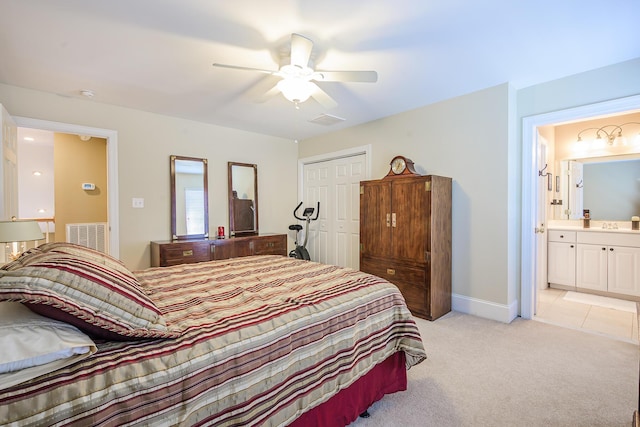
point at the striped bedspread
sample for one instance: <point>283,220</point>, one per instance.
<point>264,339</point>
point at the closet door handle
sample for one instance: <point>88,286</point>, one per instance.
<point>393,219</point>
<point>388,220</point>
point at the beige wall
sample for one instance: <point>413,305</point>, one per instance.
<point>145,142</point>
<point>467,139</point>
<point>76,162</point>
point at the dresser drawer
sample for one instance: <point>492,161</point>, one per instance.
<point>270,245</point>
<point>184,253</point>
<point>167,253</point>
<point>393,272</point>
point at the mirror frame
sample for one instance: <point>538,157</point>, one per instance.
<point>174,234</point>
<point>232,225</point>
<point>563,190</point>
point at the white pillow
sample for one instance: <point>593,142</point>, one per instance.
<point>32,345</point>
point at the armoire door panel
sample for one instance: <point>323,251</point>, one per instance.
<point>408,203</point>
<point>375,230</point>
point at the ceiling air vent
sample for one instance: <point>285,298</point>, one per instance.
<point>327,120</point>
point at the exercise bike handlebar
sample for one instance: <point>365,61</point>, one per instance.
<point>306,218</point>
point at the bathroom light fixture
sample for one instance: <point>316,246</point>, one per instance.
<point>610,135</point>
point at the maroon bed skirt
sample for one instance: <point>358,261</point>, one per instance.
<point>386,377</point>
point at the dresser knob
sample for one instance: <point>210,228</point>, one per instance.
<point>391,271</point>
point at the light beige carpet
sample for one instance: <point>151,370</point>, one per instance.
<point>527,373</point>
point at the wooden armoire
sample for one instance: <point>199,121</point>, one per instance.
<point>405,237</point>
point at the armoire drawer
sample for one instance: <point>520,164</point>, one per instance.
<point>415,297</point>
<point>393,272</point>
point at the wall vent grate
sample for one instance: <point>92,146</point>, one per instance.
<point>92,235</point>
<point>327,120</point>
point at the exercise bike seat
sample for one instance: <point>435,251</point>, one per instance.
<point>296,227</point>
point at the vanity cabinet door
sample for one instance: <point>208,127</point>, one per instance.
<point>623,268</point>
<point>561,263</point>
<point>591,272</point>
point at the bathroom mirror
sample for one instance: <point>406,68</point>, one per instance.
<point>189,198</point>
<point>608,186</point>
<point>243,198</point>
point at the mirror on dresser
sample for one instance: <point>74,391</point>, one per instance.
<point>189,198</point>
<point>243,198</point>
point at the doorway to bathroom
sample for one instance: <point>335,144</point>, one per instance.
<point>537,302</point>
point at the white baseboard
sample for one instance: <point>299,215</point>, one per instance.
<point>487,309</point>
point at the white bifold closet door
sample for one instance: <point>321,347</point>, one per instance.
<point>335,237</point>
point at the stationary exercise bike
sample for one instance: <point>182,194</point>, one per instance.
<point>300,252</point>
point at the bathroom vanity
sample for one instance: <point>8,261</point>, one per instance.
<point>605,261</point>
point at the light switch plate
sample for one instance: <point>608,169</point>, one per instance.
<point>137,202</point>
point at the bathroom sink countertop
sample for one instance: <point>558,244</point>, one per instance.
<point>596,226</point>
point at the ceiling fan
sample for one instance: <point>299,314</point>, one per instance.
<point>298,78</point>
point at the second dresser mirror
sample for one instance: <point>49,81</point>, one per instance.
<point>243,198</point>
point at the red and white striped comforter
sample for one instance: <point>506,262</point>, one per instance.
<point>264,339</point>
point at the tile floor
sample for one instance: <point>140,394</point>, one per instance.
<point>591,316</point>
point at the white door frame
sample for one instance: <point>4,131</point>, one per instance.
<point>530,177</point>
<point>112,167</point>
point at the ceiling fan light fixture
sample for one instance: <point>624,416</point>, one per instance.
<point>296,89</point>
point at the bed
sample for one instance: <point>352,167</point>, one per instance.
<point>260,340</point>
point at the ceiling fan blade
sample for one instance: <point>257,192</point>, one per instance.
<point>256,90</point>
<point>300,50</point>
<point>268,94</point>
<point>236,67</point>
<point>346,76</point>
<point>323,98</point>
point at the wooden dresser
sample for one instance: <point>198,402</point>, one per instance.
<point>405,237</point>
<point>172,252</point>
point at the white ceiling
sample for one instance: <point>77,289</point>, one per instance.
<point>156,55</point>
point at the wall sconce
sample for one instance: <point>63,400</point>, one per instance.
<point>16,232</point>
<point>608,135</point>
